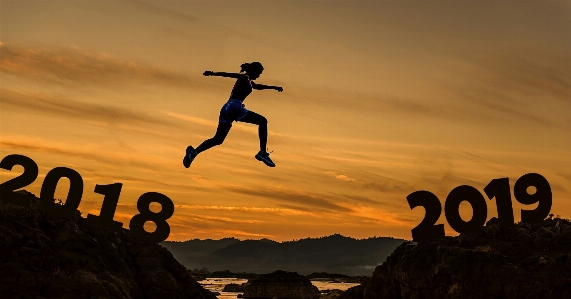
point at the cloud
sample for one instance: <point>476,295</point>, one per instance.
<point>547,72</point>
<point>252,129</point>
<point>277,211</point>
<point>341,177</point>
<point>386,187</point>
<point>161,11</point>
<point>189,19</point>
<point>372,215</point>
<point>527,84</point>
<point>86,152</point>
<point>360,199</point>
<point>216,219</point>
<point>63,107</point>
<point>291,196</point>
<point>76,65</point>
<point>192,119</point>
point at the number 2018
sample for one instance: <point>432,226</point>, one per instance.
<point>111,198</point>
<point>498,188</point>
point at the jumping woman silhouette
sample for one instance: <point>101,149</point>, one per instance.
<point>234,110</point>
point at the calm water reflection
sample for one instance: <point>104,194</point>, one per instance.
<point>217,284</point>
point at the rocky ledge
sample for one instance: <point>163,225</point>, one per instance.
<point>46,257</point>
<point>526,261</point>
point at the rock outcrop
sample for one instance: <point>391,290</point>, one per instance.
<point>521,261</point>
<point>46,257</point>
<point>281,285</point>
<point>234,287</point>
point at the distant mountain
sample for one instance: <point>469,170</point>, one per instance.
<point>197,247</point>
<point>331,254</point>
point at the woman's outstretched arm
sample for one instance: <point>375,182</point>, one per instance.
<point>262,86</point>
<point>222,74</point>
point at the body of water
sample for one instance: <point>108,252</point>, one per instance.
<point>217,284</point>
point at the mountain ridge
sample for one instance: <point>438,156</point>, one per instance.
<point>332,254</point>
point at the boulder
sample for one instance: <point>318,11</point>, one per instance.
<point>234,287</point>
<point>281,285</point>
<point>331,294</point>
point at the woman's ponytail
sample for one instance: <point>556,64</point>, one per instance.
<point>246,67</point>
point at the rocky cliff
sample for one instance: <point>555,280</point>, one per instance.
<point>521,261</point>
<point>46,257</point>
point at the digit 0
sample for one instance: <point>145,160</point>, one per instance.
<point>73,196</point>
<point>479,208</point>
<point>163,229</point>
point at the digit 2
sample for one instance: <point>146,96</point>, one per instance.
<point>26,178</point>
<point>427,229</point>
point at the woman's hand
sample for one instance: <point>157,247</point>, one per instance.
<point>208,73</point>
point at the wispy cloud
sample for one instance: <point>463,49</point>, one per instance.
<point>341,177</point>
<point>379,216</point>
<point>213,124</point>
<point>76,65</point>
<point>528,85</point>
<point>218,219</point>
<point>85,152</point>
<point>64,107</point>
<point>548,72</point>
<point>289,196</point>
<point>277,211</point>
<point>192,119</point>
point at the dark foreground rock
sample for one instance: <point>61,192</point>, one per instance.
<point>46,257</point>
<point>521,261</point>
<point>281,285</point>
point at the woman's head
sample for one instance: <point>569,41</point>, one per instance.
<point>252,69</point>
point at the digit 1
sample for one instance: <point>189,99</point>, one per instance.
<point>542,195</point>
<point>426,230</point>
<point>500,189</point>
<point>105,218</point>
<point>49,189</point>
<point>479,208</point>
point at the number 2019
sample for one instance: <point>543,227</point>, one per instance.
<point>111,198</point>
<point>498,188</point>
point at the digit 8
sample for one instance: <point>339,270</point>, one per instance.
<point>145,214</point>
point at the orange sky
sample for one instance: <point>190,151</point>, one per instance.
<point>381,99</point>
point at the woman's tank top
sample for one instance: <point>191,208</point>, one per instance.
<point>242,88</point>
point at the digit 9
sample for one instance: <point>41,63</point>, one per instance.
<point>542,195</point>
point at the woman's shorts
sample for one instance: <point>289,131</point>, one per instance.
<point>233,110</point>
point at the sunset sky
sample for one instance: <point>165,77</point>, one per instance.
<point>381,99</point>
